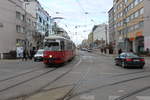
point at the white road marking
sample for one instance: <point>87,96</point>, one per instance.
<point>113,97</point>
<point>87,97</point>
<point>143,97</point>
<point>120,91</point>
<point>76,65</point>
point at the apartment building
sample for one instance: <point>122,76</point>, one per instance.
<point>129,24</point>
<point>147,24</point>
<point>112,35</point>
<point>43,19</point>
<point>17,28</point>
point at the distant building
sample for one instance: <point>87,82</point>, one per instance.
<point>100,33</point>
<point>112,35</point>
<point>90,39</point>
<point>84,43</point>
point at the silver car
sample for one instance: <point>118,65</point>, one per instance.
<point>39,55</point>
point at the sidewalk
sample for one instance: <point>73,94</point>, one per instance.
<point>5,61</point>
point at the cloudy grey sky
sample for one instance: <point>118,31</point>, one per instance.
<point>74,14</point>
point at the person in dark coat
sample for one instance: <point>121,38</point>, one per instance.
<point>25,54</point>
<point>131,50</point>
<point>120,51</point>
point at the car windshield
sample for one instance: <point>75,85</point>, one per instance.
<point>131,55</point>
<point>40,52</point>
<point>52,46</point>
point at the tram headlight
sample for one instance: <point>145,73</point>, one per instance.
<point>50,56</point>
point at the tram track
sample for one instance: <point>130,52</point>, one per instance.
<point>125,74</point>
<point>70,94</point>
<point>133,93</point>
<point>46,85</point>
<point>24,81</point>
<point>18,75</point>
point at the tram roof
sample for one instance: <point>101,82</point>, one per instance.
<point>56,37</point>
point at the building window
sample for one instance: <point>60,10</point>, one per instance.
<point>141,11</point>
<point>125,1</point>
<point>18,15</point>
<point>136,14</point>
<point>136,2</point>
<point>132,5</point>
<point>18,28</point>
<point>22,17</point>
<point>40,19</point>
<point>136,26</point>
<point>141,24</point>
<point>140,0</point>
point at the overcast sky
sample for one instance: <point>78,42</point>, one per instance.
<point>73,12</point>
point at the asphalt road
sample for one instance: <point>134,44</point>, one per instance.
<point>90,76</point>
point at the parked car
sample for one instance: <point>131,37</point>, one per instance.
<point>39,55</point>
<point>89,50</point>
<point>83,49</point>
<point>129,59</point>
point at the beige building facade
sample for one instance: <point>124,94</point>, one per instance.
<point>16,27</point>
<point>129,24</point>
<point>147,24</point>
<point>8,31</point>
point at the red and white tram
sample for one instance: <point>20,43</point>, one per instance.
<point>58,50</point>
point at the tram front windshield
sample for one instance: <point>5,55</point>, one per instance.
<point>52,46</point>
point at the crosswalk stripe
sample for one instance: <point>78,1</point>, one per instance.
<point>113,97</point>
<point>143,97</point>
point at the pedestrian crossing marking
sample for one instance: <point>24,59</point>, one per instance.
<point>143,97</point>
<point>137,97</point>
<point>87,97</point>
<point>113,97</point>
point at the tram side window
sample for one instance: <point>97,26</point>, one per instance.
<point>69,46</point>
<point>62,45</point>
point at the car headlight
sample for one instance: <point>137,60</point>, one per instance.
<point>50,56</point>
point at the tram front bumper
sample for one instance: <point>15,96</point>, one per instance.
<point>53,60</point>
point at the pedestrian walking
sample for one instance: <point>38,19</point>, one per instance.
<point>25,55</point>
<point>131,50</point>
<point>120,51</point>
